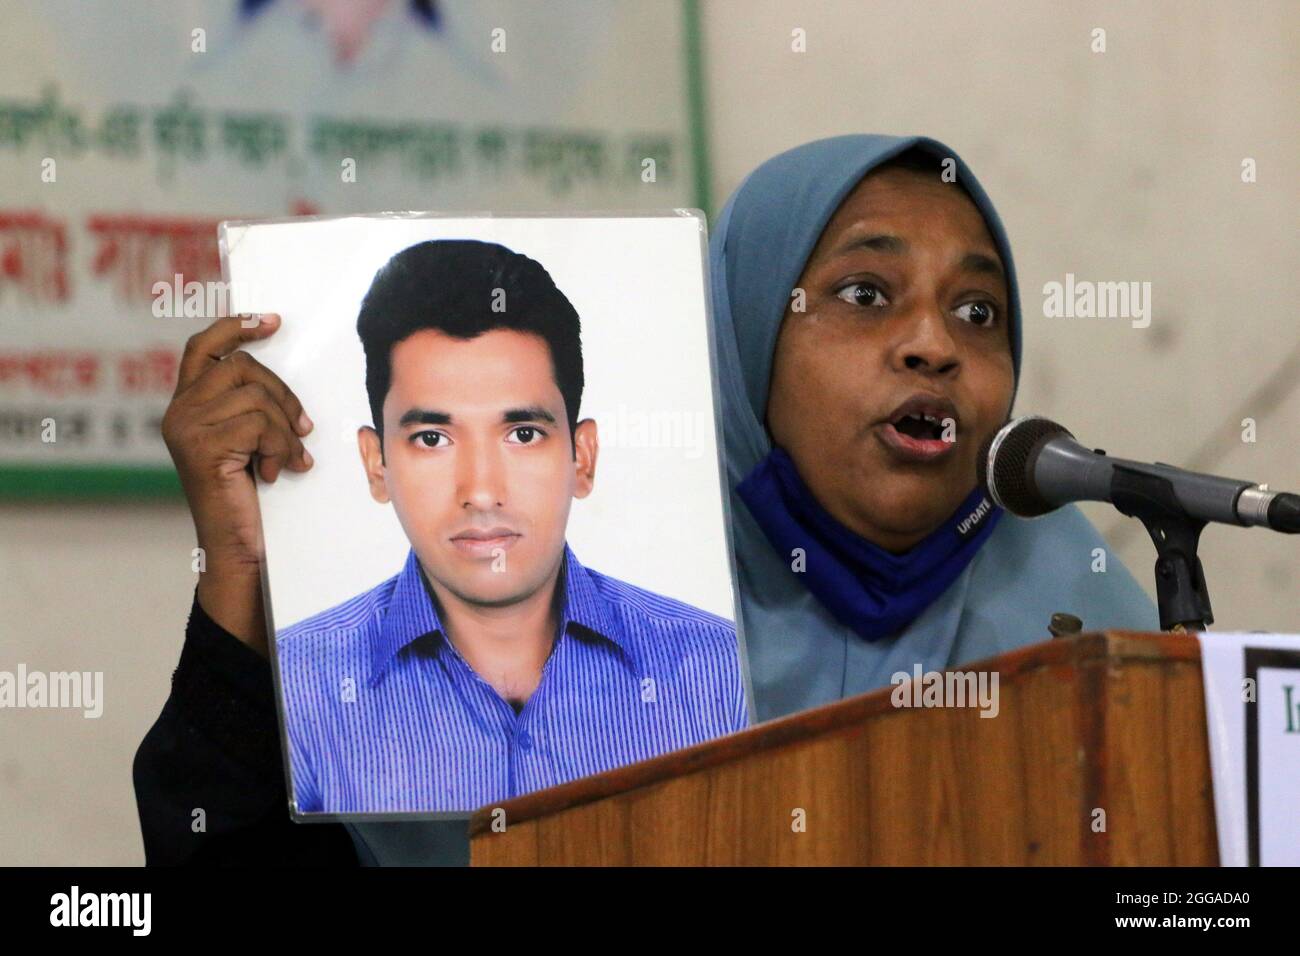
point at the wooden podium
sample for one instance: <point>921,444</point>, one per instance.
<point>1112,721</point>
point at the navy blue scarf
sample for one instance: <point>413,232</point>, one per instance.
<point>866,588</point>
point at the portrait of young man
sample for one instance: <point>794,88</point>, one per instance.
<point>493,663</point>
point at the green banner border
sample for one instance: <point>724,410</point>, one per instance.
<point>697,106</point>
<point>37,482</point>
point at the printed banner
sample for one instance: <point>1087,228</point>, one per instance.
<point>116,177</point>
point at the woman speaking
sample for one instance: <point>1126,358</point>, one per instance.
<point>868,335</point>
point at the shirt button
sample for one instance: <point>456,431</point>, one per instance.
<point>525,741</point>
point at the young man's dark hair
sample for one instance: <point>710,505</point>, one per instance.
<point>463,288</point>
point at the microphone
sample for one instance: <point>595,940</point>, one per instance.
<point>1033,466</point>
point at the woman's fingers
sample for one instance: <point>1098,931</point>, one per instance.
<point>205,349</point>
<point>269,432</point>
<point>240,369</point>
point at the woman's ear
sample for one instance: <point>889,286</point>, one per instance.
<point>370,446</point>
<point>586,446</point>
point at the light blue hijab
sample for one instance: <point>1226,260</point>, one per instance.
<point>799,655</point>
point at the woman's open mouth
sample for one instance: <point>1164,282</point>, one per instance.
<point>914,443</point>
<point>921,429</point>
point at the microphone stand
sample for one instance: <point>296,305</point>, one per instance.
<point>1180,580</point>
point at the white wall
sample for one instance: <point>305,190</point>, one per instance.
<point>1117,166</point>
<point>89,588</point>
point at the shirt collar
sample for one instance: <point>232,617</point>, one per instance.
<point>586,607</point>
<point>411,614</point>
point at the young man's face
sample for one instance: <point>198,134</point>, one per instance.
<point>905,296</point>
<point>478,461</point>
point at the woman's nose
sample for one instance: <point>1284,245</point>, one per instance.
<point>926,343</point>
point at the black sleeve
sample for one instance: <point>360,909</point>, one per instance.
<point>215,748</point>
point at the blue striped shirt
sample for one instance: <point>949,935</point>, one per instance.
<point>384,715</point>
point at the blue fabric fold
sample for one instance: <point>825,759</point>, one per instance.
<point>866,588</point>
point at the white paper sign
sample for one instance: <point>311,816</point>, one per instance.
<point>1252,706</point>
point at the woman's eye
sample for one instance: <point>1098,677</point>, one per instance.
<point>525,435</point>
<point>863,293</point>
<point>430,439</point>
<point>977,313</point>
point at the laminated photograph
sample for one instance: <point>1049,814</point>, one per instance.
<point>509,565</point>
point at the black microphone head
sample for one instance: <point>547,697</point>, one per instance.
<point>1284,514</point>
<point>1006,464</point>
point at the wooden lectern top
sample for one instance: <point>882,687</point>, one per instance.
<point>1097,755</point>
